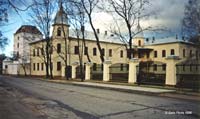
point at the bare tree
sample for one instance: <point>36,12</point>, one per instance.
<point>191,21</point>
<point>129,13</point>
<point>78,21</point>
<point>3,21</point>
<point>89,7</point>
<point>41,14</point>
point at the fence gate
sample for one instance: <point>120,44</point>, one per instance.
<point>78,72</point>
<point>188,76</point>
<point>119,72</point>
<point>151,73</point>
<point>97,72</point>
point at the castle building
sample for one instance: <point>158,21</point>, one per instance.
<point>149,52</point>
<point>21,50</point>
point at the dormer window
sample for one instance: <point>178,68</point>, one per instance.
<point>59,31</point>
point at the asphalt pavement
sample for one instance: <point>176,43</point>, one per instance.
<point>61,101</point>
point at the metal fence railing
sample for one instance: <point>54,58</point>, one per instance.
<point>188,76</point>
<point>154,74</point>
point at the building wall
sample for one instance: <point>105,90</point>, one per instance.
<point>36,61</point>
<point>21,44</point>
<point>178,50</point>
<point>115,57</point>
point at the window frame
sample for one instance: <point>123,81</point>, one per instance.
<point>58,48</point>
<point>59,66</point>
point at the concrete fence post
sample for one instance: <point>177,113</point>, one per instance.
<point>74,65</point>
<point>87,70</point>
<point>132,75</point>
<point>171,78</point>
<point>63,71</point>
<point>106,70</point>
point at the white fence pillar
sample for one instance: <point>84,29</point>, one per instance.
<point>171,78</point>
<point>74,65</point>
<point>106,70</point>
<point>63,71</point>
<point>87,70</point>
<point>132,77</point>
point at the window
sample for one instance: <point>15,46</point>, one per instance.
<point>103,51</point>
<point>172,52</point>
<point>94,67</point>
<point>128,53</point>
<point>183,67</point>
<point>59,31</point>
<point>38,51</point>
<point>102,67</point>
<point>140,55</point>
<point>197,67</point>
<point>121,67</point>
<point>155,54</point>
<point>163,53</point>
<point>183,52</point>
<point>50,50</point>
<point>110,52</point>
<point>76,50</point>
<point>197,55</point>
<point>190,67</point>
<point>58,48</point>
<point>38,66</point>
<point>33,66</point>
<point>127,67</point>
<point>42,66</point>
<point>17,54</point>
<point>148,55</point>
<point>17,45</point>
<point>94,51</point>
<point>58,66</point>
<point>121,53</point>
<point>155,67</point>
<point>33,52</point>
<point>6,66</point>
<point>86,51</point>
<point>164,67</point>
<point>51,65</point>
<point>139,43</point>
<point>190,53</point>
<point>42,51</point>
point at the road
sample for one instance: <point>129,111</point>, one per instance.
<point>61,101</point>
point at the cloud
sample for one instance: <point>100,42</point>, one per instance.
<point>169,13</point>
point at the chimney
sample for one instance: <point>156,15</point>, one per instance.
<point>98,31</point>
<point>147,39</point>
<point>153,39</point>
<point>183,38</point>
<point>82,28</point>
<point>176,36</point>
<point>106,33</point>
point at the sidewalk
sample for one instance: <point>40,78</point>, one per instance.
<point>163,92</point>
<point>124,88</point>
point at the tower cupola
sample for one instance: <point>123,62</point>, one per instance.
<point>61,16</point>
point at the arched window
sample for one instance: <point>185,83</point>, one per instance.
<point>172,52</point>
<point>59,31</point>
<point>139,43</point>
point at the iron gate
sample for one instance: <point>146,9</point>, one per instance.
<point>152,74</point>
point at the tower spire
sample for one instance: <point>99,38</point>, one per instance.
<point>60,5</point>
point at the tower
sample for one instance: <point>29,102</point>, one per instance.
<point>138,40</point>
<point>60,23</point>
<point>22,37</point>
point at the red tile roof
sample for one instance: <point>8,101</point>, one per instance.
<point>28,29</point>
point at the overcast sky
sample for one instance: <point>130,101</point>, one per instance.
<point>169,14</point>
